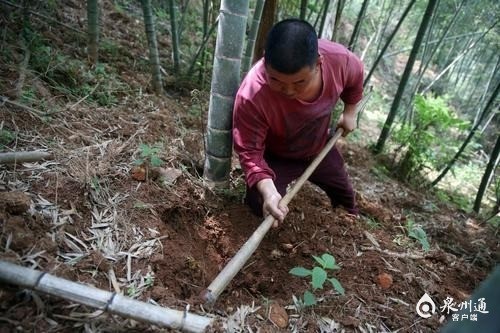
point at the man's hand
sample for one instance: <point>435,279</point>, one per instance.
<point>347,119</point>
<point>271,201</point>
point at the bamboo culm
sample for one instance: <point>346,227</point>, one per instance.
<point>102,299</point>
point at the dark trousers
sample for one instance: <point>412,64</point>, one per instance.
<point>330,175</point>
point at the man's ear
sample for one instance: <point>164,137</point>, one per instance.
<point>320,60</point>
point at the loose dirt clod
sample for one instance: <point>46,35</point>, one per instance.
<point>278,315</point>
<point>384,280</point>
<point>14,202</point>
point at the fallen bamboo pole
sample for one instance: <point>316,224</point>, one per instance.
<point>221,281</point>
<point>103,300</point>
<point>24,156</point>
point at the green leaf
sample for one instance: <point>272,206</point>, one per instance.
<point>156,161</point>
<point>419,234</point>
<point>318,277</point>
<point>337,286</point>
<point>309,298</point>
<point>329,261</point>
<point>300,271</point>
<point>320,261</point>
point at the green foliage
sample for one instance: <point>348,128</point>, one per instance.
<point>74,77</point>
<point>371,222</point>
<point>416,232</point>
<point>422,141</point>
<point>318,276</point>
<point>149,154</point>
<point>6,137</point>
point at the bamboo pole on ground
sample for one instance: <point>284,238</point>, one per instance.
<point>24,156</point>
<point>102,299</point>
<point>218,285</point>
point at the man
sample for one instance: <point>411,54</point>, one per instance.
<point>282,114</point>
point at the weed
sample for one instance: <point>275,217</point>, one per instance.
<point>319,276</point>
<point>95,184</point>
<point>6,137</point>
<point>416,232</point>
<point>371,222</point>
<point>149,154</point>
<point>132,291</point>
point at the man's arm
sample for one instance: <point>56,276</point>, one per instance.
<point>249,134</point>
<point>347,120</point>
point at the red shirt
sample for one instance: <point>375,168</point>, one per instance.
<point>267,121</point>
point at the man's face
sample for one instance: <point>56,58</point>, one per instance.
<point>299,85</point>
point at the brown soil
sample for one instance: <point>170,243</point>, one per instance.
<point>88,215</point>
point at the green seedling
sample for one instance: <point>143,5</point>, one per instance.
<point>416,232</point>
<point>318,276</point>
<point>149,154</point>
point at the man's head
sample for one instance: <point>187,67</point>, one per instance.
<point>292,61</point>
<point>291,45</point>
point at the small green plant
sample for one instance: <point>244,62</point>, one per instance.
<point>371,222</point>
<point>132,291</point>
<point>149,154</point>
<point>416,232</point>
<point>6,137</point>
<point>319,276</point>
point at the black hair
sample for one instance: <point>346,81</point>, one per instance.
<point>291,45</point>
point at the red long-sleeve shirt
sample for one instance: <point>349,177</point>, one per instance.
<point>267,121</point>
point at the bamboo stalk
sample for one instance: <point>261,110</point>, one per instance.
<point>23,156</point>
<point>241,257</point>
<point>102,299</point>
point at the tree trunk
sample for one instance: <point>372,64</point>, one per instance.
<point>488,174</point>
<point>357,27</point>
<point>338,15</point>
<point>404,79</point>
<point>303,9</point>
<point>247,58</point>
<point>172,7</point>
<point>93,30</point>
<point>389,40</point>
<point>489,105</point>
<point>326,5</point>
<point>154,58</point>
<point>225,81</point>
<point>267,22</point>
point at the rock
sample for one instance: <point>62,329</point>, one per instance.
<point>278,316</point>
<point>167,175</point>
